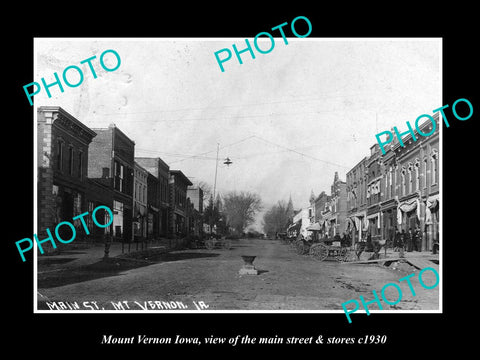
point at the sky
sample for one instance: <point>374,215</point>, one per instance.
<point>288,120</point>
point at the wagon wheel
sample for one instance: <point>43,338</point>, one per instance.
<point>209,244</point>
<point>319,252</point>
<point>227,244</point>
<point>300,247</point>
<point>342,255</point>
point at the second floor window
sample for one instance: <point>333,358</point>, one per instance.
<point>119,172</point>
<point>70,160</point>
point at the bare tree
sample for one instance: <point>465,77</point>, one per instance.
<point>240,209</point>
<point>207,191</point>
<point>277,218</point>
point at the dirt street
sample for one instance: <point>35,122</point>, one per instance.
<point>186,278</point>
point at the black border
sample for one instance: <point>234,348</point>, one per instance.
<point>80,334</point>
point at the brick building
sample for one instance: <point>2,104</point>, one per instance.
<point>357,200</point>
<point>158,195</point>
<point>398,190</point>
<point>62,160</point>
<point>336,215</point>
<point>140,212</point>
<point>373,196</point>
<point>417,184</point>
<point>111,163</point>
<point>178,184</point>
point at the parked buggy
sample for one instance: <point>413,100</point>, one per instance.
<point>334,250</point>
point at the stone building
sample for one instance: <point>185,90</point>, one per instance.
<point>62,162</point>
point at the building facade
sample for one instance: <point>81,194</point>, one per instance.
<point>417,185</point>
<point>356,222</point>
<point>178,184</point>
<point>140,211</point>
<point>398,190</point>
<point>161,171</point>
<point>111,162</point>
<point>195,196</point>
<point>374,180</point>
<point>338,206</point>
<point>62,159</point>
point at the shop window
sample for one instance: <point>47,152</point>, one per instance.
<point>417,175</point>
<point>118,218</point>
<point>434,172</point>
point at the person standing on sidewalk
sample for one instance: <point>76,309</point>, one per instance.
<point>418,239</point>
<point>408,240</point>
<point>396,240</point>
<point>401,243</point>
<point>414,241</point>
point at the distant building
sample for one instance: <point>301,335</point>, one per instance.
<point>140,211</point>
<point>195,195</point>
<point>62,159</point>
<point>301,220</point>
<point>356,222</point>
<point>338,203</point>
<point>178,184</point>
<point>158,195</point>
<point>374,186</point>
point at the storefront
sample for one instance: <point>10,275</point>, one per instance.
<point>314,231</point>
<point>360,225</point>
<point>294,229</point>
<point>408,214</point>
<point>140,222</point>
<point>432,222</point>
<point>374,225</point>
<point>122,221</point>
<point>389,224</point>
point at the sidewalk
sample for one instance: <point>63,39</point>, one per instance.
<point>417,259</point>
<point>79,256</point>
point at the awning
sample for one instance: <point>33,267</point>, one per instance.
<point>314,227</point>
<point>408,206</point>
<point>295,225</point>
<point>350,224</point>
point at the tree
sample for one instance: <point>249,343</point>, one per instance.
<point>277,218</point>
<point>240,209</point>
<point>207,191</point>
<point>211,213</point>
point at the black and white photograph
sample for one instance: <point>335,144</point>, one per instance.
<point>228,186</point>
<point>230,180</point>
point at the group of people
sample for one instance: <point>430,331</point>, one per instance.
<point>408,240</point>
